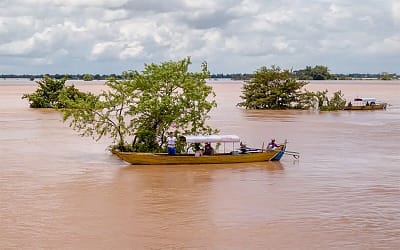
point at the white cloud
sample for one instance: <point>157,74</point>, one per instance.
<point>106,50</point>
<point>111,15</point>
<point>204,4</point>
<point>396,10</point>
<point>233,35</point>
<point>281,44</point>
<point>386,47</point>
<point>245,7</point>
<point>75,3</point>
<point>17,47</point>
<point>131,50</point>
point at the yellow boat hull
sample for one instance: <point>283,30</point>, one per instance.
<point>369,107</point>
<point>165,159</point>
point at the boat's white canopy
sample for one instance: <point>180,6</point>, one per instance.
<point>211,138</point>
<point>365,99</point>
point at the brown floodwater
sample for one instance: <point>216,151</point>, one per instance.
<point>62,191</point>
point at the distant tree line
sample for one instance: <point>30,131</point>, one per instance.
<point>235,76</point>
<point>382,76</point>
<point>89,77</point>
<point>85,77</point>
<point>318,72</point>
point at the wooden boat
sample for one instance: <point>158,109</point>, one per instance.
<point>365,104</point>
<point>254,155</point>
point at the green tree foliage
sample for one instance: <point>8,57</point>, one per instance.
<point>312,100</point>
<point>87,77</point>
<point>276,89</point>
<point>386,76</point>
<point>48,92</point>
<point>138,110</point>
<point>337,102</point>
<point>271,88</point>
<point>100,115</point>
<point>318,72</point>
<point>320,100</point>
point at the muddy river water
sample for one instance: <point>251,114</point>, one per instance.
<point>62,191</point>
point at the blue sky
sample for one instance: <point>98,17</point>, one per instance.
<point>100,36</point>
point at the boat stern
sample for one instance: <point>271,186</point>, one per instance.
<point>280,152</point>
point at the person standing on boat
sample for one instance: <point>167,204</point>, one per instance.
<point>272,145</point>
<point>171,142</point>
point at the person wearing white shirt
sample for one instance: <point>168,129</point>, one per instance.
<point>171,142</point>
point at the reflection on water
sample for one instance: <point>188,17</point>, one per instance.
<point>61,191</point>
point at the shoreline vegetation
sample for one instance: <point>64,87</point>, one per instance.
<point>318,72</point>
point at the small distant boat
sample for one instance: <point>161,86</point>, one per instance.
<point>365,104</point>
<point>239,156</point>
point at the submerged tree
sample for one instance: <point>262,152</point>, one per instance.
<point>337,102</point>
<point>318,72</point>
<point>46,95</point>
<point>320,100</point>
<point>87,77</point>
<point>271,89</point>
<point>138,110</point>
<point>276,89</point>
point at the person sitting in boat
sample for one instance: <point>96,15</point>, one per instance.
<point>243,148</point>
<point>208,150</point>
<point>198,151</point>
<point>272,145</point>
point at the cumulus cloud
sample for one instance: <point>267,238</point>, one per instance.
<point>396,11</point>
<point>100,36</point>
<point>388,47</point>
